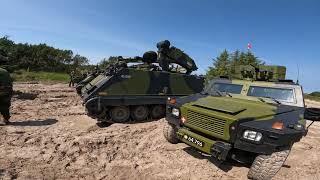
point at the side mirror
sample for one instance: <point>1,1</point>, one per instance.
<point>312,114</point>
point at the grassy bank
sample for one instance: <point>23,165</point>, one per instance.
<point>313,98</point>
<point>23,76</point>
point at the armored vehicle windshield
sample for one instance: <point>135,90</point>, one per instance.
<point>275,92</point>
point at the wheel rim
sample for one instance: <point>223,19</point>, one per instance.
<point>120,114</point>
<point>140,113</point>
<point>157,111</point>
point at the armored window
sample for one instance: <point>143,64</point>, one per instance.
<point>286,95</point>
<point>230,88</point>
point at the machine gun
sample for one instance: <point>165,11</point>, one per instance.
<point>172,54</point>
<point>147,59</point>
<point>166,55</point>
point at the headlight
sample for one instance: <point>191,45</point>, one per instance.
<point>298,127</point>
<point>175,112</point>
<point>252,135</point>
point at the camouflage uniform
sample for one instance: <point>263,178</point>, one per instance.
<point>72,78</point>
<point>5,89</point>
<point>167,55</point>
<point>163,50</point>
<point>5,94</point>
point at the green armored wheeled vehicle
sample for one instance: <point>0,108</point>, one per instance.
<point>254,118</point>
<point>6,90</point>
<point>137,88</point>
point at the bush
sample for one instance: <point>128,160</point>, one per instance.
<point>316,94</point>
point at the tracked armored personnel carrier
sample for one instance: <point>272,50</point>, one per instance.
<point>138,91</point>
<point>255,119</point>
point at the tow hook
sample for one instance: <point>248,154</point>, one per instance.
<point>220,150</point>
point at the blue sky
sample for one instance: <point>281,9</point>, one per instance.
<point>283,32</point>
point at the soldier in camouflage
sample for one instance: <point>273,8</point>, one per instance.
<point>167,55</point>
<point>163,50</point>
<point>72,78</point>
<point>148,58</point>
<point>6,90</point>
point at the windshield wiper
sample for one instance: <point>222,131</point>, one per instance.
<point>275,100</point>
<point>222,93</point>
<point>204,93</point>
<point>218,92</point>
<point>261,99</point>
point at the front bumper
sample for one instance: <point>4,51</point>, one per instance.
<point>272,140</point>
<point>218,149</point>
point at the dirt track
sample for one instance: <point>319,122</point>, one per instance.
<point>51,138</point>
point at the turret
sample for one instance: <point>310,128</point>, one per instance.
<point>148,57</point>
<point>167,55</point>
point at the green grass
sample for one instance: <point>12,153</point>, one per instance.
<point>23,76</point>
<point>313,98</point>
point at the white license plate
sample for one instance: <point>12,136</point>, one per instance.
<point>193,140</point>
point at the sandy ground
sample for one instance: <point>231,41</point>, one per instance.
<point>51,138</point>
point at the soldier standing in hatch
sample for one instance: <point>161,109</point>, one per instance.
<point>167,55</point>
<point>72,76</point>
<point>6,90</point>
<point>163,49</point>
<point>148,58</point>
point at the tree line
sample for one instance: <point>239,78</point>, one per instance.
<point>40,57</point>
<point>225,64</point>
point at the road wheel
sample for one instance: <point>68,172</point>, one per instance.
<point>158,112</point>
<point>139,113</point>
<point>120,114</point>
<point>266,166</point>
<point>170,133</point>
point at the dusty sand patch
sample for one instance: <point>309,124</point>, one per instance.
<point>52,138</point>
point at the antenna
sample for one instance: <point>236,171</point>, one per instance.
<point>298,74</point>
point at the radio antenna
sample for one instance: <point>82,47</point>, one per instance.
<point>298,74</point>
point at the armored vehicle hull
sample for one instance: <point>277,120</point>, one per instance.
<point>83,82</point>
<point>135,94</point>
<point>139,90</point>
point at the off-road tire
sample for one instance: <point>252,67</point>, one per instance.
<point>170,133</point>
<point>266,166</point>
